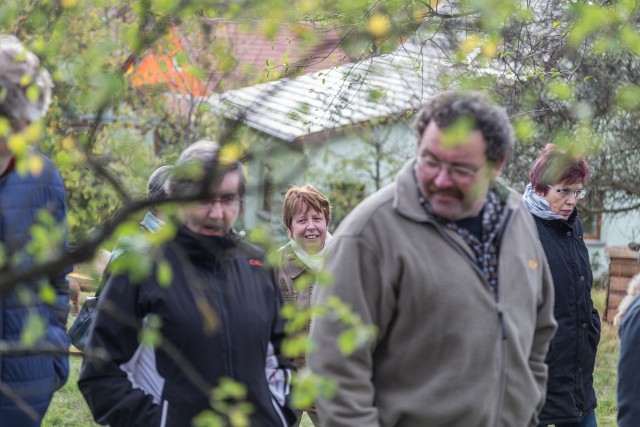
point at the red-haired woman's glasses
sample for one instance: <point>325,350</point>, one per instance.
<point>568,192</point>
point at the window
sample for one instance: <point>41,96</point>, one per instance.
<point>591,222</point>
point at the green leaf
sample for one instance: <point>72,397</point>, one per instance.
<point>5,127</point>
<point>150,335</point>
<point>34,328</point>
<point>628,97</point>
<point>48,294</point>
<point>524,129</point>
<point>560,90</point>
<point>347,342</point>
<point>458,133</point>
<point>164,273</point>
<point>33,93</point>
<point>307,387</point>
<point>208,418</point>
<point>230,389</point>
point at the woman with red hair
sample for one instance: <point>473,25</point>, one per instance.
<point>557,181</point>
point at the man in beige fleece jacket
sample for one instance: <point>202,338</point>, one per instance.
<point>446,263</point>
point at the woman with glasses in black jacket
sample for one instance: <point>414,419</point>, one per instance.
<point>557,181</point>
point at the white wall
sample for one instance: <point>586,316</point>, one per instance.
<point>621,229</point>
<point>326,160</point>
<point>316,166</point>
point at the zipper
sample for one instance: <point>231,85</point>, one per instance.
<point>503,341</point>
<point>225,319</point>
<point>498,305</point>
<point>279,411</point>
<point>165,410</point>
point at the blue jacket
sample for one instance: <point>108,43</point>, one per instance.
<point>32,377</point>
<point>628,372</point>
<point>572,353</point>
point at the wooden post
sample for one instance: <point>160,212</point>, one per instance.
<point>623,265</point>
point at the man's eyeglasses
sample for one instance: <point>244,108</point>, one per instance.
<point>568,192</point>
<point>456,172</point>
<point>227,201</point>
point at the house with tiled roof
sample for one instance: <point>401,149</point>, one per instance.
<point>351,123</point>
<point>219,55</point>
<point>318,126</point>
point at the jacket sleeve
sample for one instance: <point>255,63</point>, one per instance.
<point>57,332</point>
<point>596,327</point>
<point>59,310</point>
<point>106,387</point>
<point>545,329</point>
<point>628,372</point>
<point>358,284</point>
<point>278,369</point>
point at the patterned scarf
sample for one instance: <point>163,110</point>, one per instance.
<point>486,249</point>
<point>537,205</point>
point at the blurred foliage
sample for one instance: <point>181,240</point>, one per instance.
<point>566,70</point>
<point>229,404</point>
<point>572,68</point>
<point>99,118</point>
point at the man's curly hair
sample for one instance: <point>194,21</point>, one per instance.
<point>491,120</point>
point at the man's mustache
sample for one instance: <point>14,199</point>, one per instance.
<point>450,191</point>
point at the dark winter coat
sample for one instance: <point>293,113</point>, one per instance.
<point>32,377</point>
<point>572,353</point>
<point>218,318</point>
<point>628,372</point>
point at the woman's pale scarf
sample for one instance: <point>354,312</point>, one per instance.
<point>537,205</point>
<point>314,261</point>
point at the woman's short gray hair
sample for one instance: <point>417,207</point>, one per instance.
<point>198,162</point>
<point>20,72</point>
<point>156,188</point>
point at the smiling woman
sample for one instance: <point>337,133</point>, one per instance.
<point>306,215</point>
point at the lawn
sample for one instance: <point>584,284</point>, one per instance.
<point>606,374</point>
<point>69,409</point>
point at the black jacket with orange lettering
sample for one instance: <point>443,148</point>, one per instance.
<point>218,318</point>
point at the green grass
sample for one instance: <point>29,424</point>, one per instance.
<point>306,422</point>
<point>68,408</point>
